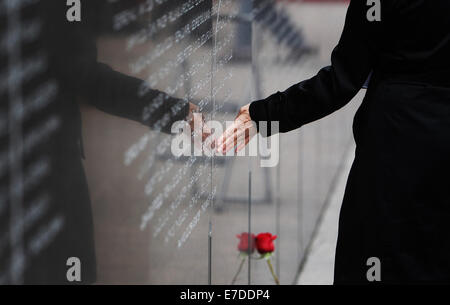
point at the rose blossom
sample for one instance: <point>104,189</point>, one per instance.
<point>264,243</point>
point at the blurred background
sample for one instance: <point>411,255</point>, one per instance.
<point>159,219</point>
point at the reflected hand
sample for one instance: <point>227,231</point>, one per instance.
<point>239,134</point>
<point>196,121</point>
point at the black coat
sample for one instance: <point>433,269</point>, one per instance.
<point>397,201</point>
<point>70,50</point>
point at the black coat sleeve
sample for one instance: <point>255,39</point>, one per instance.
<point>334,86</point>
<point>73,55</point>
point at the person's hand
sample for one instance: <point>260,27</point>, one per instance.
<point>196,121</point>
<point>239,133</point>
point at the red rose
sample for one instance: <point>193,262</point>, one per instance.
<point>264,243</point>
<point>243,242</point>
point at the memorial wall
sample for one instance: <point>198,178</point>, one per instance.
<point>87,169</point>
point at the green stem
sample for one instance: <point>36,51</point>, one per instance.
<point>239,271</point>
<point>273,273</point>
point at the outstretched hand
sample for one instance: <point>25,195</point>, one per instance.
<point>239,134</point>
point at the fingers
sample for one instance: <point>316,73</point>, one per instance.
<point>244,136</point>
<point>236,136</point>
<point>229,137</point>
<point>252,131</point>
<point>242,145</point>
<point>226,135</point>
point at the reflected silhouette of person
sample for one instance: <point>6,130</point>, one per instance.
<point>71,61</point>
<point>397,201</point>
